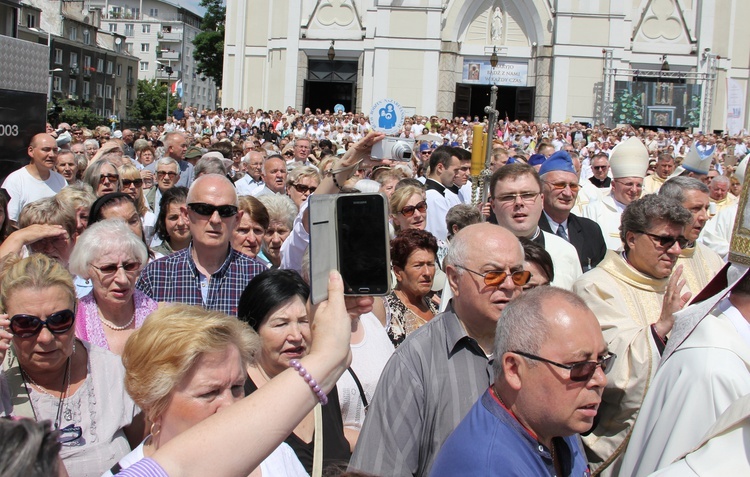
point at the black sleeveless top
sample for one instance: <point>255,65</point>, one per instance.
<point>335,446</point>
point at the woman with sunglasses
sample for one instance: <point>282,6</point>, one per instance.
<point>132,184</point>
<point>111,256</point>
<point>301,183</point>
<point>408,208</point>
<point>54,376</point>
<point>102,176</point>
<point>408,306</point>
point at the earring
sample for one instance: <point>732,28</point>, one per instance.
<point>155,429</point>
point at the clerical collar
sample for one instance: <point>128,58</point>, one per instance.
<point>432,184</point>
<point>537,232</point>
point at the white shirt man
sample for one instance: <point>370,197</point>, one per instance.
<point>444,165</point>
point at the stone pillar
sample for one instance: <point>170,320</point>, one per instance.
<point>543,79</point>
<point>301,77</point>
<point>450,64</point>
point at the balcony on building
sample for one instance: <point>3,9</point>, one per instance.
<point>162,75</point>
<point>168,55</point>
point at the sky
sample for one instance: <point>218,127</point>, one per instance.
<point>193,6</point>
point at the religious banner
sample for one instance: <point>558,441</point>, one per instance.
<point>735,107</point>
<point>504,74</point>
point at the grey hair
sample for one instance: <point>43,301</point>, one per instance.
<point>100,238</point>
<point>280,209</point>
<point>91,142</point>
<point>522,325</point>
<point>675,187</point>
<point>168,161</point>
<point>29,448</point>
<point>461,215</point>
<point>302,172</point>
<point>209,165</point>
<point>91,176</point>
<point>721,180</point>
<point>367,186</point>
<point>642,213</point>
<point>458,250</point>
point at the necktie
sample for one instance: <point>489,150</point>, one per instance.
<point>561,233</point>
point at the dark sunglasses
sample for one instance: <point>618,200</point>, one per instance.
<point>113,267</point>
<point>69,433</point>
<point>171,174</point>
<point>496,278</point>
<point>582,371</point>
<point>408,210</point>
<point>26,326</point>
<point>666,241</point>
<point>302,189</point>
<point>129,182</point>
<point>108,177</point>
<point>599,167</point>
<point>207,210</point>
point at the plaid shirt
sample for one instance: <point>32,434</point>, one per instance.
<point>176,279</point>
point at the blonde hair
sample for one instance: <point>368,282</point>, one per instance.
<point>172,339</point>
<point>129,171</point>
<point>401,196</point>
<point>35,271</point>
<point>78,195</point>
<point>50,210</point>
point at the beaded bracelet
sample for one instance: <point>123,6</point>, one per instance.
<point>309,380</point>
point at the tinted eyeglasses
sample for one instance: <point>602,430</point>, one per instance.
<point>112,268</point>
<point>26,326</point>
<point>108,178</point>
<point>582,371</point>
<point>161,174</point>
<point>129,182</point>
<point>574,186</point>
<point>666,241</point>
<point>599,168</point>
<point>207,210</point>
<point>408,210</point>
<point>496,278</point>
<point>302,189</point>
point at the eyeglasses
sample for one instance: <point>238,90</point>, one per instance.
<point>129,182</point>
<point>26,326</point>
<point>526,197</point>
<point>289,153</point>
<point>108,178</point>
<point>303,189</point>
<point>495,278</point>
<point>161,174</point>
<point>408,210</point>
<point>574,186</point>
<point>599,168</point>
<point>207,210</point>
<point>666,241</point>
<point>112,268</point>
<point>69,433</point>
<point>581,371</point>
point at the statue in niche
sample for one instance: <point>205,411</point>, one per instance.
<point>496,27</point>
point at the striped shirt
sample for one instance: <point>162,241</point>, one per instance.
<point>426,389</point>
<point>144,468</point>
<point>176,279</point>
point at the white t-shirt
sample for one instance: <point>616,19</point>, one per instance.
<point>23,189</point>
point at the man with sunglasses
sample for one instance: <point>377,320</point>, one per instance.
<point>629,163</point>
<point>560,189</point>
<point>36,180</point>
<point>167,176</point>
<point>517,203</point>
<point>600,168</point>
<point>634,295</point>
<point>441,369</point>
<point>549,375</point>
<point>209,272</point>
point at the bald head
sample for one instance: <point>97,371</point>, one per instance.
<point>212,184</point>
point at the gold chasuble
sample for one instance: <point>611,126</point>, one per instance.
<point>627,303</point>
<point>652,184</point>
<point>723,203</point>
<point>699,265</point>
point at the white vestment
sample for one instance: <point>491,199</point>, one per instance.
<point>697,383</point>
<point>717,232</point>
<point>565,260</point>
<point>606,213</point>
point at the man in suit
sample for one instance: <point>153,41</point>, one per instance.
<point>560,187</point>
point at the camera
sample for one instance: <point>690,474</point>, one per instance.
<point>395,148</point>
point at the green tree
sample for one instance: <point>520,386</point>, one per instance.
<point>72,114</point>
<point>151,102</point>
<point>209,43</point>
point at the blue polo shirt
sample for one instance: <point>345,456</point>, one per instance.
<point>489,441</point>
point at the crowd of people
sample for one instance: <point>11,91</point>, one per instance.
<point>539,323</point>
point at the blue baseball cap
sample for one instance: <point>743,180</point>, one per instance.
<point>536,159</point>
<point>559,161</point>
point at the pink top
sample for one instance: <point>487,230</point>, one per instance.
<point>89,326</point>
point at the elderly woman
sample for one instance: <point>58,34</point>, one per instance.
<point>408,306</point>
<point>408,208</point>
<point>301,182</point>
<point>248,235</point>
<point>91,146</point>
<point>111,256</point>
<point>184,365</point>
<point>172,227</point>
<point>80,197</point>
<point>132,184</point>
<point>281,214</point>
<point>274,304</point>
<point>103,178</point>
<point>54,376</point>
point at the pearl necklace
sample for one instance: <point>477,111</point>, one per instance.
<point>113,326</point>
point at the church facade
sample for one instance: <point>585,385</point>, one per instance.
<point>669,63</point>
